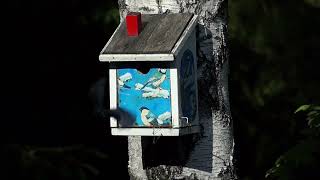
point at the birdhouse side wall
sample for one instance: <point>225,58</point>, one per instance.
<point>187,82</point>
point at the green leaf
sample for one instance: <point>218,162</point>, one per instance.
<point>303,108</point>
<point>317,108</point>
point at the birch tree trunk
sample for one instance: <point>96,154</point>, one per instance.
<point>211,156</point>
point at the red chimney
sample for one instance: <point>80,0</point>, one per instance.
<point>134,25</point>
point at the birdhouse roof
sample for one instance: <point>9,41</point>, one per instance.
<point>160,39</point>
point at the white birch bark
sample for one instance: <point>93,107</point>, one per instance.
<point>211,157</point>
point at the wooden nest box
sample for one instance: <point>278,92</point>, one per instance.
<point>153,75</point>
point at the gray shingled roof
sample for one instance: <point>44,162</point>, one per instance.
<point>159,34</point>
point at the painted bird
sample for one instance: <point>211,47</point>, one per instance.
<point>147,117</point>
<point>124,78</point>
<point>122,84</point>
<point>157,78</point>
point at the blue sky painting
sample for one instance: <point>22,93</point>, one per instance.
<point>145,96</point>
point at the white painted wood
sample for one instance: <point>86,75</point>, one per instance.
<point>113,122</point>
<point>174,97</point>
<point>154,131</point>
<point>145,131</point>
<point>185,35</point>
<point>113,94</point>
<point>135,57</point>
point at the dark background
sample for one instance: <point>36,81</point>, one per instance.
<point>52,87</point>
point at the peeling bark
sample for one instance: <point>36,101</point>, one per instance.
<point>212,154</point>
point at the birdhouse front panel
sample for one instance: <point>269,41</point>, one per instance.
<point>146,96</point>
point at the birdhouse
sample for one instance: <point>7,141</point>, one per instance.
<point>152,75</point>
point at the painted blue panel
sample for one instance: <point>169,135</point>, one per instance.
<point>145,96</point>
<point>188,86</point>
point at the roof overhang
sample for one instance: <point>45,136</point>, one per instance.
<point>135,57</point>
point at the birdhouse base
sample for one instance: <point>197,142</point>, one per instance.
<point>154,131</point>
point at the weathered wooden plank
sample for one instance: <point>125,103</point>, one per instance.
<point>159,35</point>
<point>167,33</point>
<point>148,30</point>
<point>123,44</point>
